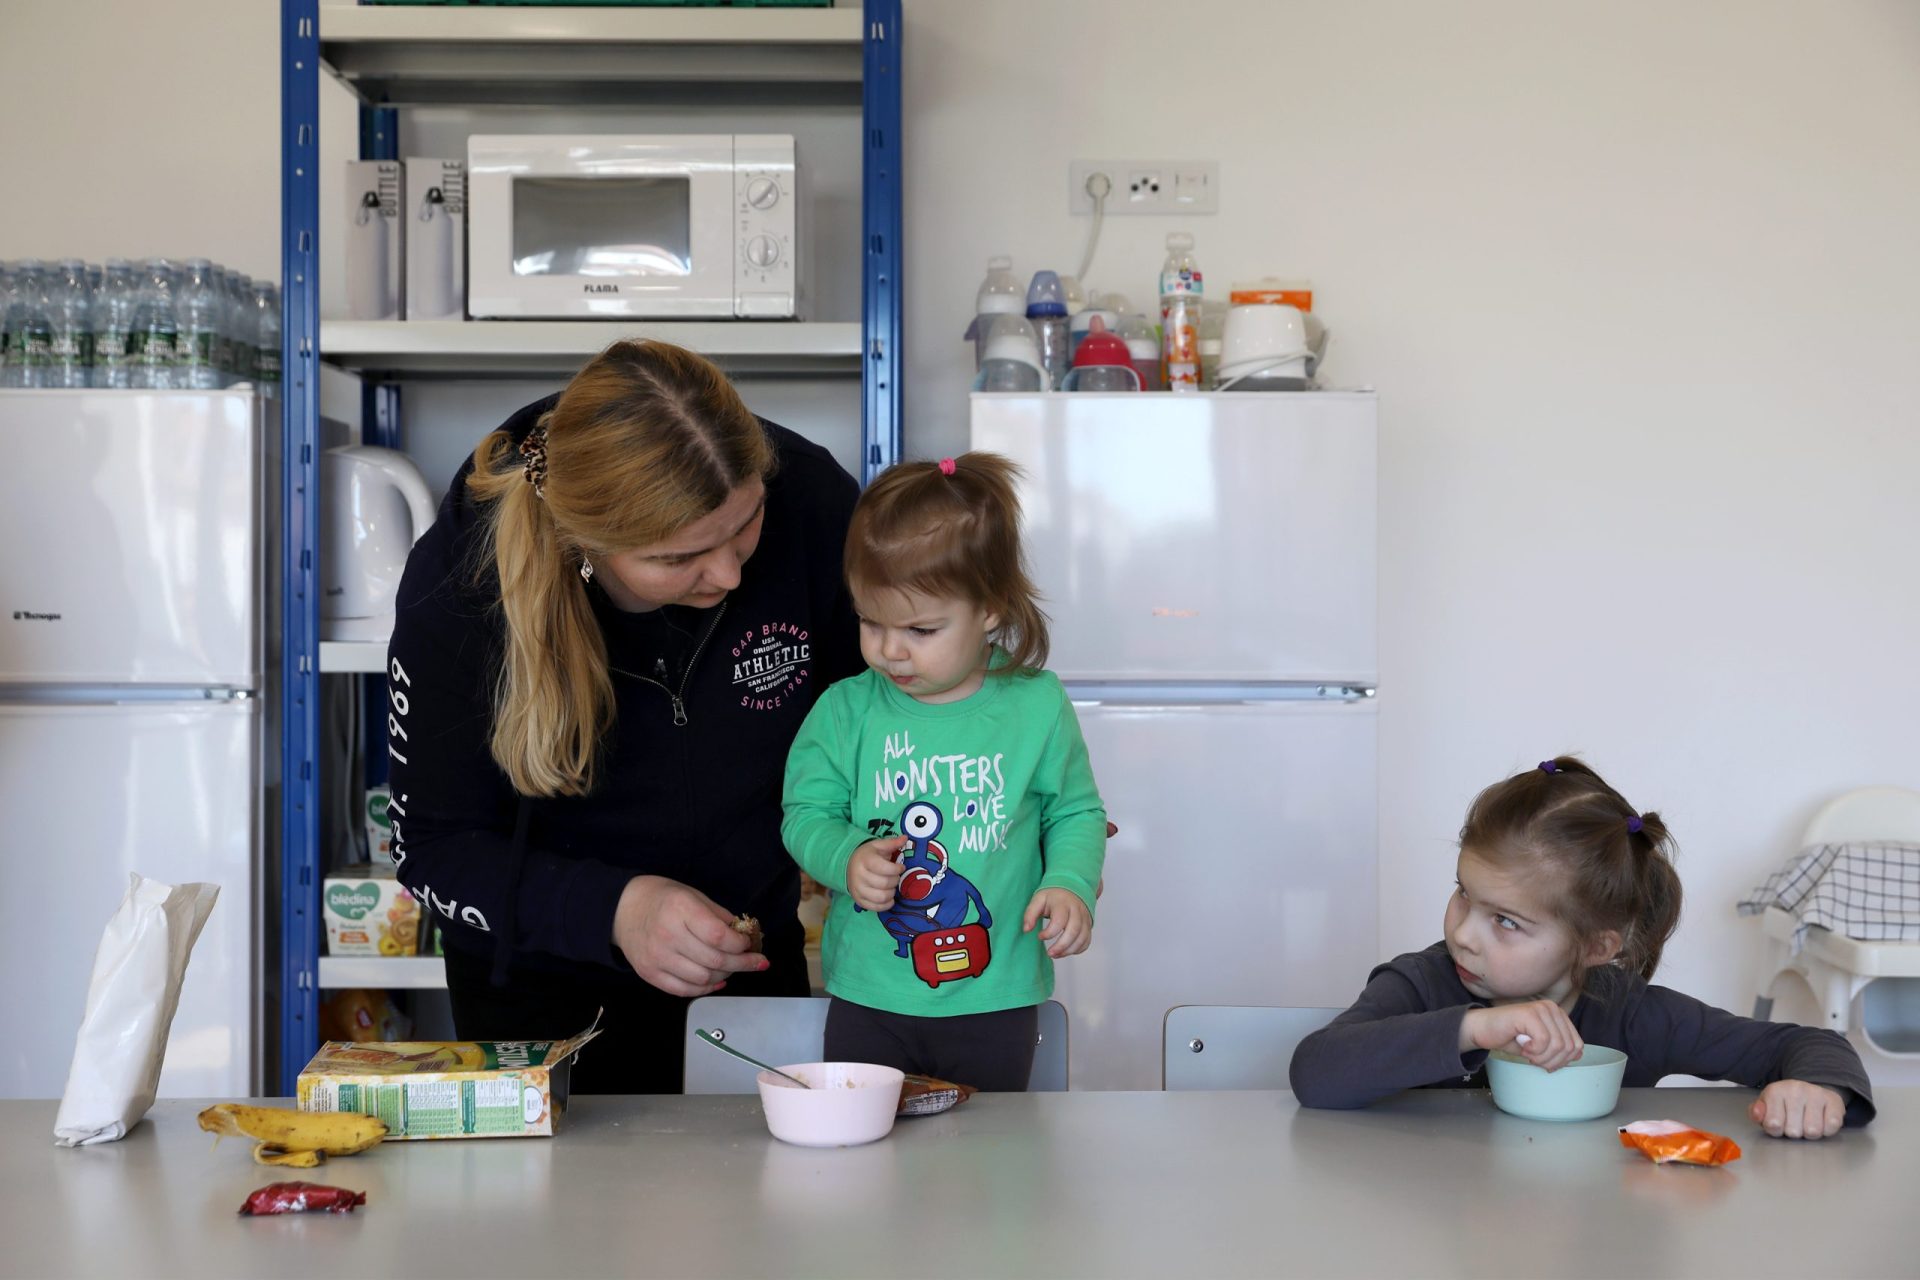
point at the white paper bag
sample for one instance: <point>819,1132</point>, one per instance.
<point>130,1002</point>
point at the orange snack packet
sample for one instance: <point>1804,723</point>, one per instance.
<point>1669,1141</point>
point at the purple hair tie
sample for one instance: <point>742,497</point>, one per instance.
<point>1548,766</point>
<point>1634,824</point>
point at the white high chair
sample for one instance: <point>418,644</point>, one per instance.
<point>1838,968</point>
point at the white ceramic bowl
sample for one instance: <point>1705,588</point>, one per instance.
<point>847,1103</point>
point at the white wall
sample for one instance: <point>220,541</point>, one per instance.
<point>138,130</point>
<point>1636,283</point>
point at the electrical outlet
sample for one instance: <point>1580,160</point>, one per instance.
<point>1147,186</point>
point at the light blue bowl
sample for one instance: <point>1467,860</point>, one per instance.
<point>1582,1090</point>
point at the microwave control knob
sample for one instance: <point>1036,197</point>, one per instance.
<point>762,252</point>
<point>763,193</point>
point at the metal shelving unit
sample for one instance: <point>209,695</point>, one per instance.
<point>519,348</point>
<point>404,973</point>
<point>398,56</point>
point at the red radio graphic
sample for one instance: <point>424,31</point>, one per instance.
<point>943,955</point>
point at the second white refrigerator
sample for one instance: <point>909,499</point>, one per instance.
<point>1209,566</point>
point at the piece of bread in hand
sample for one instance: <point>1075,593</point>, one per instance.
<point>751,928</point>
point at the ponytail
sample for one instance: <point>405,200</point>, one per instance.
<point>1656,893</point>
<point>552,689</point>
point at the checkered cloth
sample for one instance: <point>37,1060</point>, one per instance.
<point>1865,891</point>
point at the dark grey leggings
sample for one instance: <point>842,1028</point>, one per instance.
<point>993,1052</point>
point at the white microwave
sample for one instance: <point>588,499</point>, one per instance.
<point>662,226</point>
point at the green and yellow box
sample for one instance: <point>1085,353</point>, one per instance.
<point>446,1089</point>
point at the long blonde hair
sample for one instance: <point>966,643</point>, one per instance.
<point>645,440</point>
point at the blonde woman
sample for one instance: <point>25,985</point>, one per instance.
<point>603,650</point>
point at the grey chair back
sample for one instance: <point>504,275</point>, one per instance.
<point>1228,1046</point>
<point>789,1029</point>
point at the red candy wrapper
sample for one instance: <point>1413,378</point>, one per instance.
<point>1669,1141</point>
<point>302,1197</point>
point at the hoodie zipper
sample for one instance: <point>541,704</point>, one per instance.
<point>679,698</point>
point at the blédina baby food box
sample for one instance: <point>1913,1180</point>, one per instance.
<point>369,913</point>
<point>446,1089</point>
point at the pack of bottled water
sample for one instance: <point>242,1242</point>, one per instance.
<point>159,325</point>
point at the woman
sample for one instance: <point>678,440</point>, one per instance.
<point>603,649</point>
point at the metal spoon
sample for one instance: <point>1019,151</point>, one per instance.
<point>708,1037</point>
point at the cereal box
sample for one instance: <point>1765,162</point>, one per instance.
<point>438,1089</point>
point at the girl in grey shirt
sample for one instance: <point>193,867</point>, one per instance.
<point>1565,897</point>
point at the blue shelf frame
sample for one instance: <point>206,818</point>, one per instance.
<point>299,827</point>
<point>300,72</point>
<point>881,211</point>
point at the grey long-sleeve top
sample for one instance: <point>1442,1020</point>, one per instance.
<point>1404,1033</point>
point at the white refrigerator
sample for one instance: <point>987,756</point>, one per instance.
<point>1208,563</point>
<point>131,646</point>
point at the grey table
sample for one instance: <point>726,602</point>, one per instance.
<point>1434,1183</point>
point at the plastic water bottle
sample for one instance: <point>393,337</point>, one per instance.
<point>1213,328</point>
<point>156,331</point>
<point>6,304</point>
<point>113,308</point>
<point>70,313</point>
<point>238,316</point>
<point>198,313</point>
<point>266,340</point>
<point>1047,313</point>
<point>1000,295</point>
<point>1180,293</point>
<point>29,328</point>
<point>222,325</point>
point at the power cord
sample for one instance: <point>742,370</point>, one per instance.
<point>1099,187</point>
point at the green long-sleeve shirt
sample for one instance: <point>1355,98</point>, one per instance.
<point>997,792</point>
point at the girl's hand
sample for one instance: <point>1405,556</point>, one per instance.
<point>1069,923</point>
<point>678,939</point>
<point>873,873</point>
<point>1551,1042</point>
<point>1796,1109</point>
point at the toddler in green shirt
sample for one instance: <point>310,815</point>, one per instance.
<point>945,795</point>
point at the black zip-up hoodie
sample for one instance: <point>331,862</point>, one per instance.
<point>697,802</point>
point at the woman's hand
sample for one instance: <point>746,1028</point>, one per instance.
<point>1796,1109</point>
<point>1551,1042</point>
<point>1069,923</point>
<point>678,939</point>
<point>873,873</point>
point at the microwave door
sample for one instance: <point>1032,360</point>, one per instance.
<point>621,244</point>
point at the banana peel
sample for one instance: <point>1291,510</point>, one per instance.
<point>294,1139</point>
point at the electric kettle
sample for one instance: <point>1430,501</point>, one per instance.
<point>375,507</point>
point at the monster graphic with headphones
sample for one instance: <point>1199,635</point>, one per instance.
<point>928,919</point>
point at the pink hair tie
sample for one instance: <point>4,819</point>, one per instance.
<point>946,466</point>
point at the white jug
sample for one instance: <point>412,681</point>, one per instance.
<point>376,506</point>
